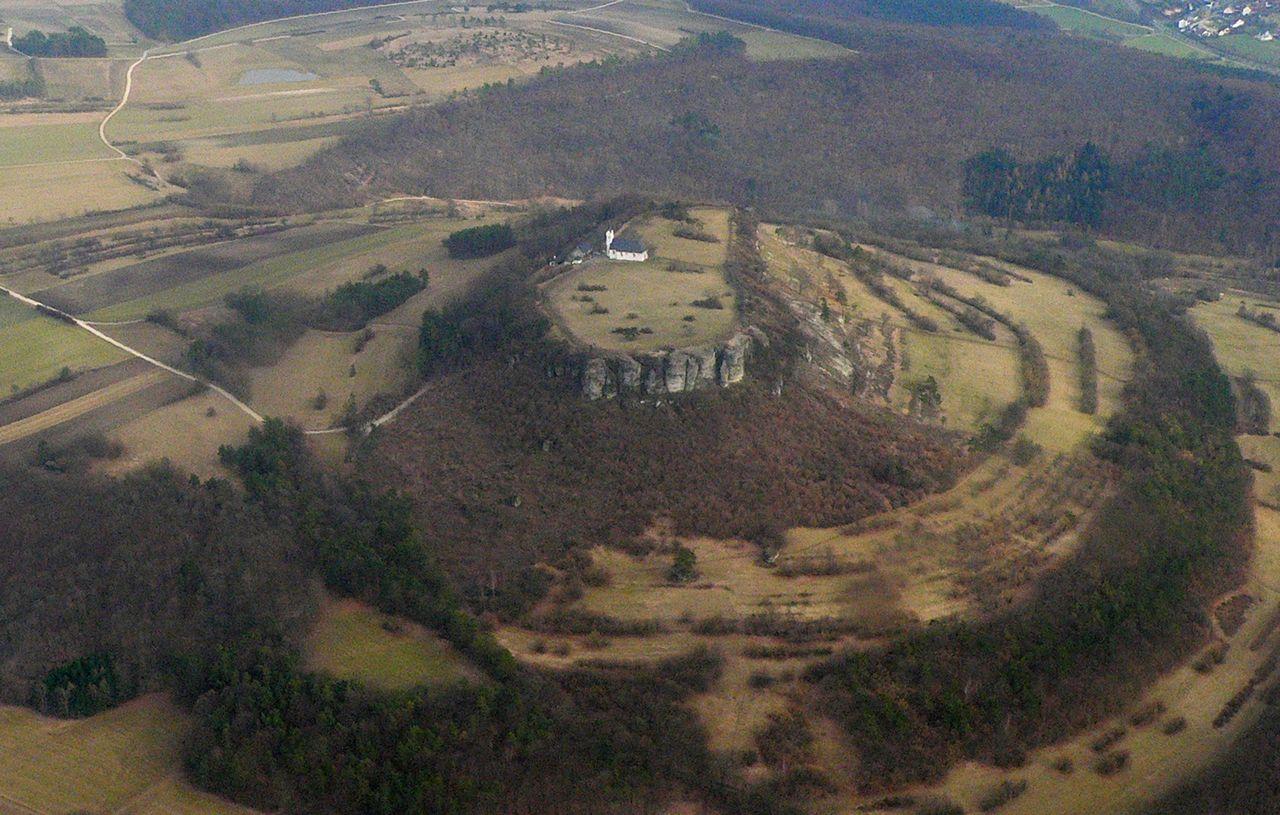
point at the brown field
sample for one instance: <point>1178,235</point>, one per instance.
<point>84,79</point>
<point>187,432</point>
<point>78,407</point>
<point>139,281</point>
<point>650,295</point>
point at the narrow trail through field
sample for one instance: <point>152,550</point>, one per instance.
<point>50,311</point>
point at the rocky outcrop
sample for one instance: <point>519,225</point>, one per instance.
<point>666,372</point>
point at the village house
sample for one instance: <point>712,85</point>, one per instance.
<point>624,248</point>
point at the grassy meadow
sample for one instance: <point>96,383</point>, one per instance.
<point>33,349</point>
<point>125,760</point>
<point>1241,346</point>
<point>599,300</point>
<point>353,641</point>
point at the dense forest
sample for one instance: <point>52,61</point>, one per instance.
<point>146,569</point>
<point>1193,157</point>
<point>74,42</point>
<point>968,13</point>
<point>177,20</point>
<point>598,739</point>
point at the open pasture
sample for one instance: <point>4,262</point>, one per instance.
<point>404,248</point>
<point>55,191</point>
<point>33,348</point>
<point>313,382</point>
<point>1088,23</point>
<point>127,759</point>
<point>187,432</point>
<point>44,143</point>
<point>976,378</point>
<point>1054,311</point>
<point>84,79</point>
<point>679,297</point>
<point>353,641</point>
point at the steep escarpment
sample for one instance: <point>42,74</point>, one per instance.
<point>661,373</point>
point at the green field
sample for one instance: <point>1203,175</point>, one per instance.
<point>1245,47</point>
<point>1082,22</point>
<point>47,143</point>
<point>33,349</point>
<point>353,641</point>
<point>977,378</point>
<point>1168,45</point>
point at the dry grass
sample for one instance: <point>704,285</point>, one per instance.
<point>124,760</point>
<point>1054,311</point>
<point>1241,346</point>
<point>322,361</point>
<point>183,432</point>
<point>76,408</point>
<point>54,191</point>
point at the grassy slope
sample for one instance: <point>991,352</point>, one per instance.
<point>125,759</point>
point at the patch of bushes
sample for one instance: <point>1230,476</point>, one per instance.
<point>352,305</point>
<point>74,42</point>
<point>480,241</point>
<point>694,233</point>
<point>1088,371</point>
<point>1003,793</point>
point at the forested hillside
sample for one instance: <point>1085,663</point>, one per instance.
<point>140,571</point>
<point>969,13</point>
<point>1193,157</point>
<point>183,19</point>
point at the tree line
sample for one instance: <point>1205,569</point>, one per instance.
<point>176,20</point>
<point>263,324</point>
<point>74,42</point>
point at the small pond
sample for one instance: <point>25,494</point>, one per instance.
<point>265,76</point>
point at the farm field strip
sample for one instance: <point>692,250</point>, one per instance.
<point>76,407</point>
<point>227,271</point>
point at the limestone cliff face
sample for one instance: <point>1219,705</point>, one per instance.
<point>666,372</point>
